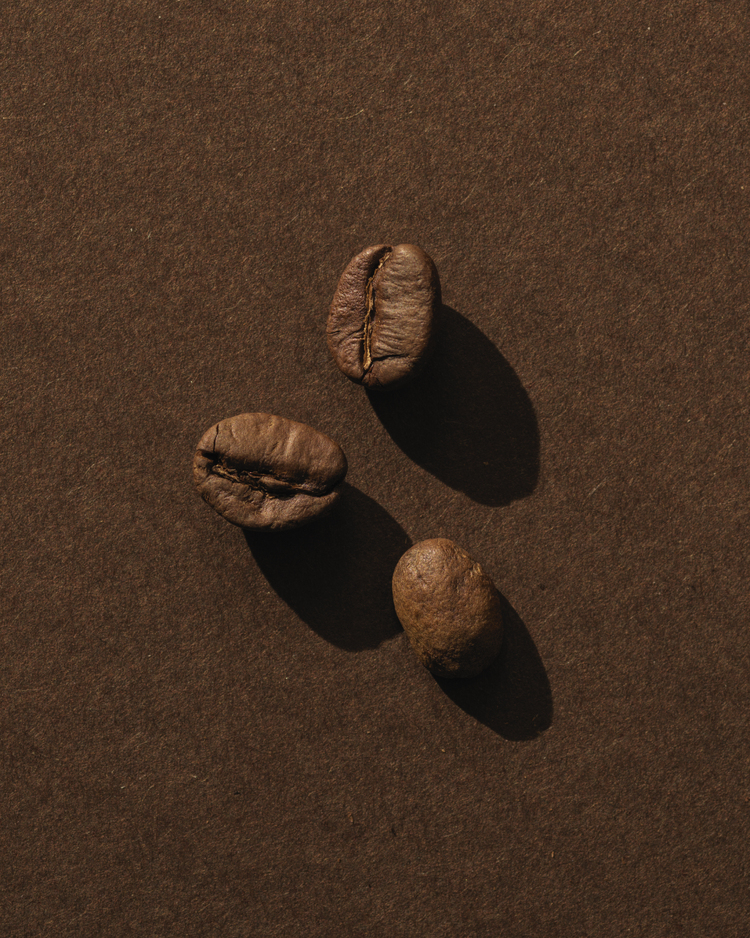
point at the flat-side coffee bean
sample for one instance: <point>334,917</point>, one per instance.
<point>449,608</point>
<point>381,321</point>
<point>266,472</point>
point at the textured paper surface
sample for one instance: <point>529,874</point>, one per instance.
<point>207,734</point>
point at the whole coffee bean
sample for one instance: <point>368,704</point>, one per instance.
<point>448,607</point>
<point>380,326</point>
<point>266,472</point>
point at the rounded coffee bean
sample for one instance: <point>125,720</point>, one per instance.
<point>448,607</point>
<point>381,321</point>
<point>266,472</point>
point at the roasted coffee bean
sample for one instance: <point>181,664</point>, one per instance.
<point>380,326</point>
<point>266,472</point>
<point>449,608</point>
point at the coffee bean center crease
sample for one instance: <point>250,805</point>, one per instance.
<point>272,486</point>
<point>369,323</point>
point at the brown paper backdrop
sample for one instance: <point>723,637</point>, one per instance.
<point>208,735</point>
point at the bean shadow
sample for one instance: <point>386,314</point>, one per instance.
<point>336,572</point>
<point>513,696</point>
<point>466,418</point>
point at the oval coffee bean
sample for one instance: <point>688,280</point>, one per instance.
<point>448,607</point>
<point>261,471</point>
<point>381,321</point>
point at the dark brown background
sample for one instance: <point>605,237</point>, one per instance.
<point>208,736</point>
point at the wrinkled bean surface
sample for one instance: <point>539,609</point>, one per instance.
<point>449,608</point>
<point>263,471</point>
<point>380,325</point>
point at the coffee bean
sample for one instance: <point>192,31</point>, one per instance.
<point>449,608</point>
<point>380,326</point>
<point>266,472</point>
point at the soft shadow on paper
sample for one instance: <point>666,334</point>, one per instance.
<point>513,696</point>
<point>335,573</point>
<point>466,418</point>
